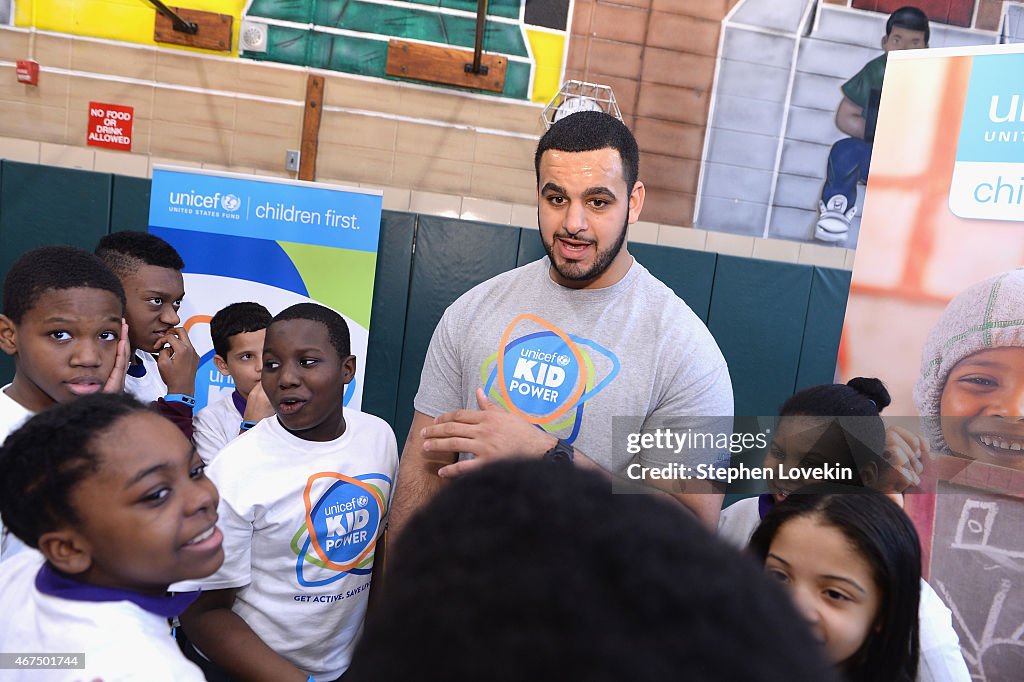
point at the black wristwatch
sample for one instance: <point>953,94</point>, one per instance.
<point>560,454</point>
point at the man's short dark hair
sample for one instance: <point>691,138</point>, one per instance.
<point>125,252</point>
<point>236,319</point>
<point>910,18</point>
<point>586,131</point>
<point>337,328</point>
<point>50,268</point>
<point>38,471</point>
<point>529,570</point>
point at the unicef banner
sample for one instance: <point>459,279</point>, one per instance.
<point>936,311</point>
<point>277,242</point>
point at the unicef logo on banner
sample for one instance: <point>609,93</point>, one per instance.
<point>229,202</point>
<point>342,527</point>
<point>547,376</point>
<point>988,176</point>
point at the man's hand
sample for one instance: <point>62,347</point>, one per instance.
<point>178,362</point>
<point>904,452</point>
<point>257,405</point>
<point>115,382</point>
<point>489,433</point>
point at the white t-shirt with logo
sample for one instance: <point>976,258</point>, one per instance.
<point>12,416</point>
<point>148,387</point>
<point>215,426</point>
<point>303,589</point>
<point>120,641</point>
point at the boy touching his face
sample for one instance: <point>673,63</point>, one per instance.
<point>237,332</point>
<point>163,363</point>
<point>63,323</point>
<point>304,497</point>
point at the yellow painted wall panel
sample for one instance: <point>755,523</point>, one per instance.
<point>125,20</point>
<point>548,49</point>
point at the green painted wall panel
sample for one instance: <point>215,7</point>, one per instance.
<point>397,22</point>
<point>757,316</point>
<point>286,45</point>
<point>300,11</point>
<point>364,56</point>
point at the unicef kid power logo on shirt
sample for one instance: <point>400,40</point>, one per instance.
<point>988,177</point>
<point>341,527</point>
<point>547,376</point>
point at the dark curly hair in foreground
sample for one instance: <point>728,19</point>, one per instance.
<point>533,571</point>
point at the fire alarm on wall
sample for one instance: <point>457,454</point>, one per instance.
<point>28,71</point>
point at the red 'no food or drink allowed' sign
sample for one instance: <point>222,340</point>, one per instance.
<point>110,126</point>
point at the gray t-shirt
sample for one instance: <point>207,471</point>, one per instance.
<point>569,360</point>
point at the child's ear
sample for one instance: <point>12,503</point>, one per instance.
<point>66,551</point>
<point>222,365</point>
<point>8,335</point>
<point>348,369</point>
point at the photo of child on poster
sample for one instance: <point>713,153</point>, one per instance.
<point>935,286</point>
<point>936,310</point>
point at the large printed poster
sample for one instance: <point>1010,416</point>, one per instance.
<point>276,242</point>
<point>936,311</point>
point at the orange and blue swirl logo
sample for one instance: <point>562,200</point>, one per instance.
<point>546,375</point>
<point>341,527</point>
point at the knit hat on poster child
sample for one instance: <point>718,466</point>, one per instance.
<point>989,314</point>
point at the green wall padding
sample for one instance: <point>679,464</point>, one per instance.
<point>46,205</point>
<point>826,310</point>
<point>757,316</point>
<point>383,359</point>
<point>129,205</point>
<point>452,256</point>
<point>530,247</point>
<point>688,273</point>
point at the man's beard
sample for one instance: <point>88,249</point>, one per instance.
<point>578,272</point>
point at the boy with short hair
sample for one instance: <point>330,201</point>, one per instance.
<point>304,498</point>
<point>150,270</point>
<point>237,332</point>
<point>63,323</point>
<point>118,508</point>
<point>848,160</point>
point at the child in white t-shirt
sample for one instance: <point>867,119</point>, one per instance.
<point>63,324</point>
<point>237,332</point>
<point>304,499</point>
<point>118,508</point>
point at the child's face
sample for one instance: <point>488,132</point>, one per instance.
<point>304,378</point>
<point>66,345</point>
<point>154,296</point>
<point>244,362</point>
<point>831,583</point>
<point>803,442</point>
<point>146,518</point>
<point>982,407</point>
<point>903,39</point>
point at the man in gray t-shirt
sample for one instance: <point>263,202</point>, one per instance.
<point>565,343</point>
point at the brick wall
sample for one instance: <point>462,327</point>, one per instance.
<point>659,58</point>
